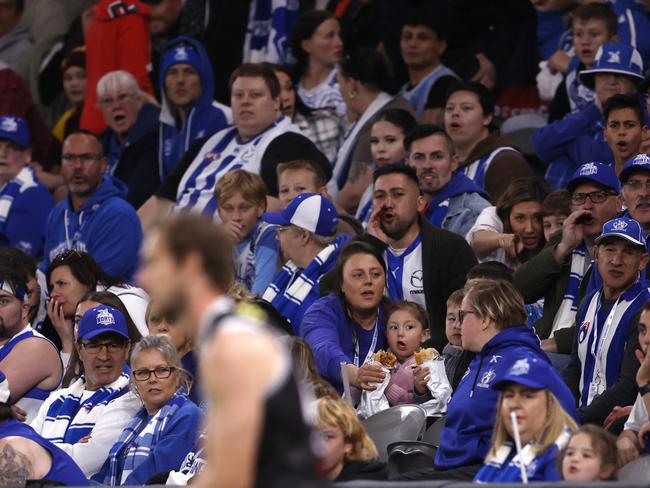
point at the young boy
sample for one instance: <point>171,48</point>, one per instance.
<point>624,128</point>
<point>241,198</point>
<point>555,208</point>
<point>452,351</point>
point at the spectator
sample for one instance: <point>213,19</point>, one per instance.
<point>453,201</point>
<point>624,128</point>
<point>260,139</point>
<point>362,75</point>
<point>452,353</point>
<point>543,426</point>
<point>73,71</point>
<point>590,455</point>
<point>422,43</point>
<point>348,326</point>
<point>317,46</point>
<point>241,419</point>
<point>602,369</point>
<point>492,318</point>
<point>24,455</point>
<point>242,201</point>
<point>130,141</point>
<point>15,41</point>
<point>188,109</point>
<point>18,260</point>
<point>635,178</point>
<point>26,201</point>
<point>164,25</point>
<point>30,381</point>
<point>94,217</point>
<point>307,240</point>
<point>348,451</point>
<point>427,264</point>
<point>159,436</point>
<point>323,126</point>
<point>562,273</point>
<point>86,418</point>
<point>114,31</point>
<point>387,134</point>
<point>512,231</point>
<point>483,153</point>
<point>579,137</point>
<point>555,210</point>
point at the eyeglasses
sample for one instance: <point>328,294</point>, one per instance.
<point>462,313</point>
<point>598,196</point>
<point>637,184</point>
<point>94,348</point>
<point>85,158</point>
<point>160,373</point>
<point>120,99</point>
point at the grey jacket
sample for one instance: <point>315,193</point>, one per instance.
<point>14,45</point>
<point>463,211</point>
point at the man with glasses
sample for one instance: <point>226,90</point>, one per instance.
<point>25,202</point>
<point>603,367</point>
<point>562,273</point>
<point>86,418</point>
<point>94,218</point>
<point>635,182</point>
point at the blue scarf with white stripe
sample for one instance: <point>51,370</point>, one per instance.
<point>439,203</point>
<point>268,32</point>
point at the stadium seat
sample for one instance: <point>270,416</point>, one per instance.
<point>636,471</point>
<point>400,423</point>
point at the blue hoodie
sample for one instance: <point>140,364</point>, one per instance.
<point>204,118</point>
<point>106,227</point>
<point>466,437</point>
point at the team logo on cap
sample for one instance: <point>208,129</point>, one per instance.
<point>105,318</point>
<point>641,159</point>
<point>180,54</point>
<point>619,225</point>
<point>614,57</point>
<point>588,169</point>
<point>9,124</point>
<point>521,367</point>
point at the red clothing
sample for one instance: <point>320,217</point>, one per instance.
<point>118,38</point>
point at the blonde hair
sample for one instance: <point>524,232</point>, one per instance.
<point>456,298</point>
<point>320,179</point>
<point>338,413</point>
<point>250,185</point>
<point>556,421</point>
<point>498,301</point>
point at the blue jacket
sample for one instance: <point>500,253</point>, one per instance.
<point>107,227</point>
<point>633,26</point>
<point>202,119</point>
<point>466,437</point>
<point>329,333</point>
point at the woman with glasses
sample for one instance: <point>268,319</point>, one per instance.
<point>162,433</point>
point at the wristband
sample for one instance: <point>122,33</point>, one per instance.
<point>644,389</point>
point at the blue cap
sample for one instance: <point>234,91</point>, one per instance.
<point>181,54</point>
<point>614,57</point>
<point>600,173</point>
<point>102,319</point>
<point>308,211</point>
<point>15,129</point>
<point>638,162</point>
<point>625,228</point>
<point>528,371</point>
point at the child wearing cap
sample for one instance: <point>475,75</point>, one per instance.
<point>542,425</point>
<point>241,198</point>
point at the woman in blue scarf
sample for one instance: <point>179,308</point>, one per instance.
<point>544,427</point>
<point>166,429</point>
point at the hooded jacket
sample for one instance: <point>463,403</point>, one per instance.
<point>466,437</point>
<point>202,119</point>
<point>106,227</point>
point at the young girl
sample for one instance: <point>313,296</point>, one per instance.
<point>590,455</point>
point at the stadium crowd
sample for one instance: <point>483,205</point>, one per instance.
<point>233,232</point>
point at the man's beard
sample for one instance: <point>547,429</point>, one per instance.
<point>398,231</point>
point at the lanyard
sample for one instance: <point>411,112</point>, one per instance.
<point>598,344</point>
<point>371,351</point>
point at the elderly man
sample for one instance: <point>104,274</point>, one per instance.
<point>635,182</point>
<point>603,363</point>
<point>99,404</point>
<point>94,217</point>
<point>130,140</point>
<point>26,202</point>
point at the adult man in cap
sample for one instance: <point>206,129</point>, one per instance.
<point>603,364</point>
<point>562,272</point>
<point>635,183</point>
<point>567,143</point>
<point>86,418</point>
<point>26,203</point>
<point>307,239</point>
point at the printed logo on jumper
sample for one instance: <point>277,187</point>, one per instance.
<point>614,57</point>
<point>495,358</point>
<point>619,225</point>
<point>105,318</point>
<point>487,377</point>
<point>520,367</point>
<point>180,54</point>
<point>211,156</point>
<point>588,169</point>
<point>583,331</point>
<point>9,124</point>
<point>417,279</point>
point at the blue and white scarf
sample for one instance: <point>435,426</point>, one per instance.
<point>269,29</point>
<point>439,204</point>
<point>68,419</point>
<point>292,286</point>
<point>418,95</point>
<point>478,169</point>
<point>138,439</point>
<point>23,181</point>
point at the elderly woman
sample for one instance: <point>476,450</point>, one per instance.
<point>543,426</point>
<point>130,140</point>
<point>493,319</point>
<point>348,326</point>
<point>162,433</point>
